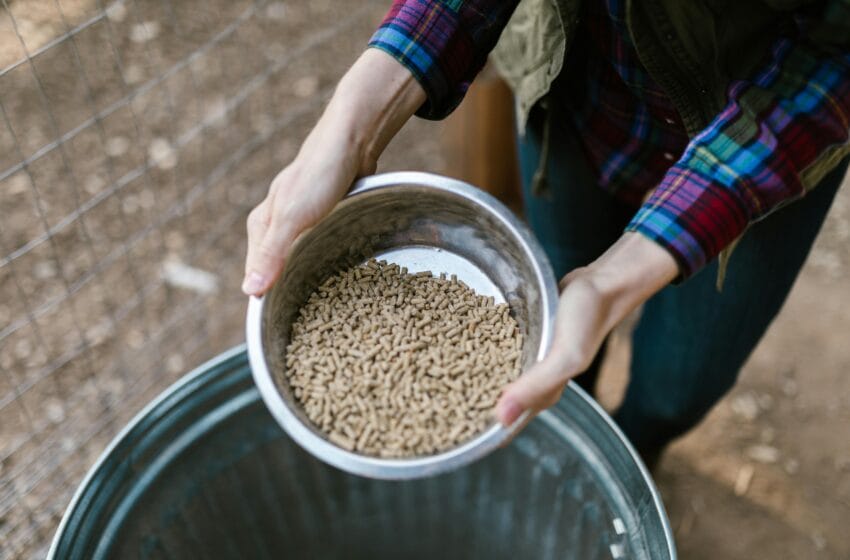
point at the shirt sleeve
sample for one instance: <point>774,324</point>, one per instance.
<point>778,134</point>
<point>443,43</point>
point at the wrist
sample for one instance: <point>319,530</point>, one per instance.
<point>371,103</point>
<point>349,134</point>
<point>630,272</point>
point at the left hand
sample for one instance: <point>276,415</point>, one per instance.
<point>594,299</point>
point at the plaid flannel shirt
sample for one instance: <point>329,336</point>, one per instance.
<point>703,192</point>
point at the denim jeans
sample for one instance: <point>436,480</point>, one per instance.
<point>691,340</point>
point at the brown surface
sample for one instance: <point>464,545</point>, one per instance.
<point>478,141</point>
<point>767,474</point>
<point>127,350</point>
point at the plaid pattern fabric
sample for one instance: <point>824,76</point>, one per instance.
<point>748,161</point>
<point>443,43</point>
<point>630,131</point>
<point>702,193</point>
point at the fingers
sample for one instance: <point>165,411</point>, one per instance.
<point>538,389</point>
<point>269,239</point>
<point>580,327</point>
<point>569,277</point>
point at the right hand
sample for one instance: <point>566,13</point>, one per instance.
<point>594,299</point>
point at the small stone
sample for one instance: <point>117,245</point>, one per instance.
<point>698,504</point>
<point>130,204</point>
<point>44,270</point>
<point>215,113</point>
<point>790,388</point>
<point>276,11</point>
<point>763,454</point>
<point>742,481</point>
<point>181,275</point>
<point>34,33</point>
<point>792,466</point>
<point>833,405</point>
<point>54,410</point>
<point>275,51</point>
<point>745,406</point>
<point>117,146</point>
<point>162,154</point>
<point>116,12</point>
<point>135,339</point>
<point>94,184</point>
<point>144,32</point>
<point>238,194</point>
<point>175,241</point>
<point>134,74</point>
<point>765,401</point>
<point>306,86</point>
<point>174,363</point>
<point>262,124</point>
<point>23,348</point>
<point>17,184</point>
<point>98,334</point>
<point>767,435</point>
<point>147,200</point>
<point>819,541</point>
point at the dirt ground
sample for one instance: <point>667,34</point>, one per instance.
<point>121,254</point>
<point>767,474</point>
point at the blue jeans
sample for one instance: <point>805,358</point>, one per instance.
<point>691,340</point>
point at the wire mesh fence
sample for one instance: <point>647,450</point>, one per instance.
<point>134,138</point>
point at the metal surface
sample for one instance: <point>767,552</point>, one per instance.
<point>422,221</point>
<point>205,472</point>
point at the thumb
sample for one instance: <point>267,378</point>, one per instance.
<point>536,390</point>
<point>266,257</point>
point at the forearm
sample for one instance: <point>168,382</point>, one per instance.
<point>594,299</point>
<point>602,294</point>
<point>629,273</point>
<point>371,103</point>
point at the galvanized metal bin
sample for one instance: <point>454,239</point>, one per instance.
<point>205,472</point>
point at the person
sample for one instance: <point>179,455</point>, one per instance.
<point>655,138</point>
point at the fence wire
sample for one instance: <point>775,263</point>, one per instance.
<point>135,137</point>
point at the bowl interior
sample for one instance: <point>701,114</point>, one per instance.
<point>422,228</point>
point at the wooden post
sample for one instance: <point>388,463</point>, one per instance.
<point>479,143</point>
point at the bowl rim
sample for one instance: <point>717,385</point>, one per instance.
<point>416,467</point>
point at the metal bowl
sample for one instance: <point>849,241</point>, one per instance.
<point>424,222</point>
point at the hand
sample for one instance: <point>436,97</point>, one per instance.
<point>301,195</point>
<point>371,103</point>
<point>594,299</point>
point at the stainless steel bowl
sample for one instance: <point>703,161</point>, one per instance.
<point>424,222</point>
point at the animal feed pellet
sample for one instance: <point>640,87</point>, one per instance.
<point>392,364</point>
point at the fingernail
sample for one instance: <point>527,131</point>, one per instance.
<point>508,411</point>
<point>252,284</point>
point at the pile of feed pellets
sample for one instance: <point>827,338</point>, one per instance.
<point>392,364</point>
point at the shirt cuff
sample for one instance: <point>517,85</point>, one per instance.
<point>692,217</point>
<point>430,39</point>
